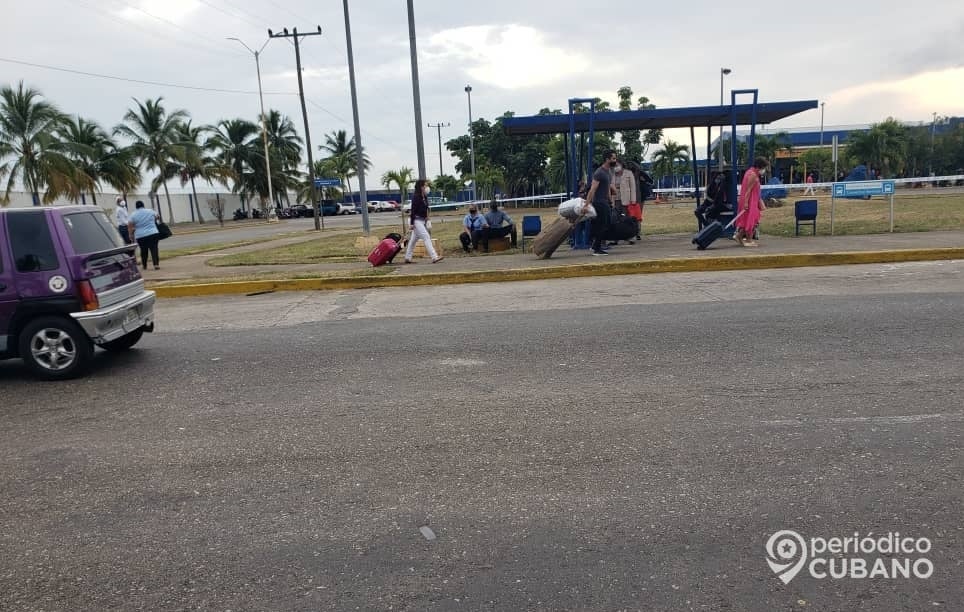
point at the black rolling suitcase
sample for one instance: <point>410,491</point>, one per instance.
<point>706,236</point>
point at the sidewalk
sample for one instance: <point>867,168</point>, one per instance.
<point>655,253</point>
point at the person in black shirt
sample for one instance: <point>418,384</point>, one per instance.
<point>600,194</point>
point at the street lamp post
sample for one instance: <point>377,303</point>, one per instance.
<point>719,146</point>
<point>468,90</point>
<point>264,129</point>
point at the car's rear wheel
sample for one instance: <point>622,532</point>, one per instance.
<point>54,348</point>
<point>124,342</point>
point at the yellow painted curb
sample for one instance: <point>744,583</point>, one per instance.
<point>648,266</point>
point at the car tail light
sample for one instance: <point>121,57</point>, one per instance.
<point>87,295</point>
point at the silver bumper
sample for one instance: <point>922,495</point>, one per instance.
<point>112,322</point>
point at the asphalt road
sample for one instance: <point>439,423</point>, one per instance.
<point>624,443</point>
<point>237,231</point>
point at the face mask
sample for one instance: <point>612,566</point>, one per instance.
<point>426,190</point>
<point>612,164</point>
<point>618,168</point>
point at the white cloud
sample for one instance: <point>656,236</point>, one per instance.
<point>168,10</point>
<point>509,57</point>
<point>910,99</point>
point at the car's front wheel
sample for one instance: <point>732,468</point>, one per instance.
<point>54,348</point>
<point>124,342</point>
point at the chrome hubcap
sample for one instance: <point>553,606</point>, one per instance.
<point>53,349</point>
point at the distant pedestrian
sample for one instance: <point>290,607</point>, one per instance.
<point>143,227</point>
<point>809,190</point>
<point>750,204</point>
<point>121,218</point>
<point>417,222</point>
<point>599,196</point>
<point>625,184</point>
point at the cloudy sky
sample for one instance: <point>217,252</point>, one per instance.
<point>865,60</point>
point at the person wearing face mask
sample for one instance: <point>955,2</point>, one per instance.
<point>750,204</point>
<point>625,184</point>
<point>121,217</point>
<point>474,226</point>
<point>417,220</point>
<point>599,196</point>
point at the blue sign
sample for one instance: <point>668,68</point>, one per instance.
<point>327,182</point>
<point>863,189</point>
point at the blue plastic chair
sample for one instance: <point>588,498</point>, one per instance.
<point>805,211</point>
<point>531,226</point>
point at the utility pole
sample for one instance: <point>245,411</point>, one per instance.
<point>933,128</point>
<point>468,91</point>
<point>366,228</point>
<point>419,144</point>
<point>439,126</point>
<point>304,113</point>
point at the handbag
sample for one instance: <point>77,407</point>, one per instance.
<point>163,231</point>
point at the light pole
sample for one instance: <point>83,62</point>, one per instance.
<point>360,153</point>
<point>439,126</point>
<point>719,146</point>
<point>933,127</point>
<point>264,129</point>
<point>821,123</point>
<point>416,94</point>
<point>468,90</point>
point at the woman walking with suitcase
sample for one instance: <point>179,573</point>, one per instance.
<point>418,219</point>
<point>750,204</point>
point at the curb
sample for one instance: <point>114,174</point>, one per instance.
<point>648,266</point>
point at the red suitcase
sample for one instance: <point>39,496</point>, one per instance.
<point>385,250</point>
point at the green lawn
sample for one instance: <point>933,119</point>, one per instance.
<point>913,213</point>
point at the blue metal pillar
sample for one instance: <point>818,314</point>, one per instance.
<point>580,235</point>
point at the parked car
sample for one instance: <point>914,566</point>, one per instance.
<point>68,283</point>
<point>394,205</point>
<point>347,209</point>
<point>300,210</point>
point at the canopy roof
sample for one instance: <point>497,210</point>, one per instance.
<point>659,118</point>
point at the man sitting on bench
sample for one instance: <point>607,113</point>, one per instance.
<point>494,220</point>
<point>475,228</point>
<point>715,203</point>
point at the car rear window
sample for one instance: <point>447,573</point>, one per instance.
<point>31,242</point>
<point>91,232</point>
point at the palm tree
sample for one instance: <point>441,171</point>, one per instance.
<point>884,146</point>
<point>402,178</point>
<point>153,134</point>
<point>97,158</point>
<point>488,178</point>
<point>27,126</point>
<point>667,161</point>
<point>193,163</point>
<point>343,155</point>
<point>236,143</point>
<point>768,146</point>
<point>286,146</point>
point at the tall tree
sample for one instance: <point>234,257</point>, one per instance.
<point>97,158</point>
<point>632,147</point>
<point>39,160</point>
<point>153,134</point>
<point>883,146</point>
<point>285,150</point>
<point>195,163</point>
<point>235,144</point>
<point>768,146</point>
<point>668,160</point>
<point>401,178</point>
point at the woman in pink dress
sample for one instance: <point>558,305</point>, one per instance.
<point>750,203</point>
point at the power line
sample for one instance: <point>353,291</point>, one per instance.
<point>142,82</point>
<point>153,32</point>
<point>366,133</point>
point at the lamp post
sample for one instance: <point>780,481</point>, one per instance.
<point>821,123</point>
<point>719,146</point>
<point>468,91</point>
<point>933,127</point>
<point>264,129</point>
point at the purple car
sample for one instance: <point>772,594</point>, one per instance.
<point>67,283</point>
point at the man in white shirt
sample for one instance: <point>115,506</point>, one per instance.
<point>121,218</point>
